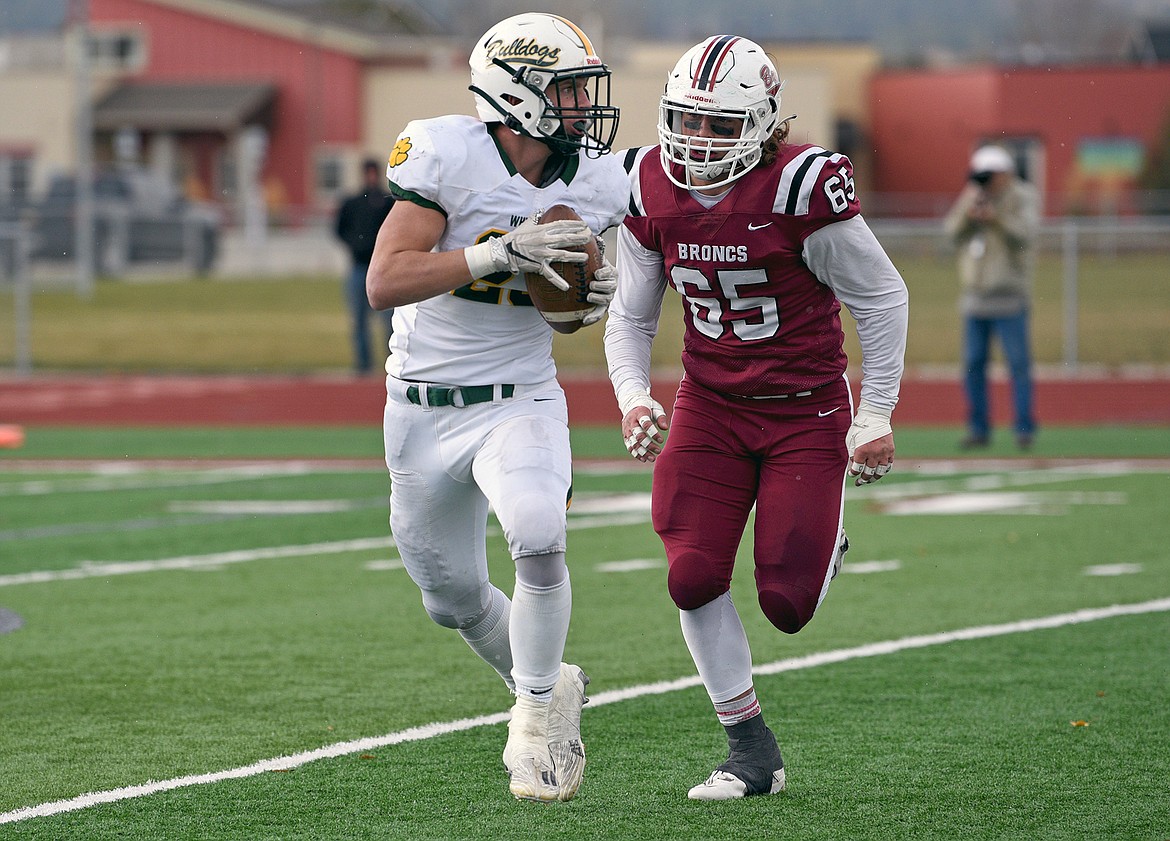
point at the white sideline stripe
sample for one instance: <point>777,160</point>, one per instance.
<point>430,731</point>
<point>284,763</point>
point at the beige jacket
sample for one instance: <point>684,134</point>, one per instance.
<point>996,257</point>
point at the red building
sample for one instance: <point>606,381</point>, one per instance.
<point>209,92</point>
<point>1081,134</point>
<point>201,87</point>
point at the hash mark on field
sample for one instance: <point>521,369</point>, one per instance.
<point>1113,569</point>
<point>866,567</point>
<point>430,731</point>
<point>611,503</point>
<point>632,565</point>
<point>382,566</point>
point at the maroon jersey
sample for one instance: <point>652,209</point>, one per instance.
<point>758,322</point>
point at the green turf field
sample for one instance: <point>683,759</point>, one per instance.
<point>222,645</point>
<point>64,442</point>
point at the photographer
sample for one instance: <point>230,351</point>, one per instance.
<point>993,224</point>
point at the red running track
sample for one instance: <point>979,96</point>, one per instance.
<point>328,401</point>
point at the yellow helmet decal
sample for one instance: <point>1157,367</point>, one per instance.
<point>584,38</point>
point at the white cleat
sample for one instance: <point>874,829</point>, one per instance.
<point>564,729</point>
<point>723,785</point>
<point>531,773</point>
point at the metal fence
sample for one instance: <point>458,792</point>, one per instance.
<point>313,249</point>
<point>124,239</point>
<point>16,278</point>
<point>1070,246</point>
<point>1106,236</point>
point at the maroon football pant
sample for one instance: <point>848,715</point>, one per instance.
<point>786,456</point>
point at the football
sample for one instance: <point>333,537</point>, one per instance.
<point>564,309</point>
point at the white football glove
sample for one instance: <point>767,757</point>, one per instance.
<point>645,439</point>
<point>530,248</point>
<point>602,288</point>
<point>869,424</point>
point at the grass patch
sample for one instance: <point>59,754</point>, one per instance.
<point>588,442</point>
<point>299,324</point>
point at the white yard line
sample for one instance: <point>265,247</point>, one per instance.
<point>132,476</point>
<point>101,569</point>
<point>430,731</point>
<point>940,482</point>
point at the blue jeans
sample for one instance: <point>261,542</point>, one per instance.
<point>360,312</point>
<point>1013,337</point>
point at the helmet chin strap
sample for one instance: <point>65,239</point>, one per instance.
<point>518,73</point>
<point>558,143</point>
<point>714,170</point>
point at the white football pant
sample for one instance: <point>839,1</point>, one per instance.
<point>447,466</point>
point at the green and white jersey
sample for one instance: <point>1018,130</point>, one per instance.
<point>487,331</point>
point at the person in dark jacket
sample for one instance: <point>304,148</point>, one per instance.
<point>358,221</point>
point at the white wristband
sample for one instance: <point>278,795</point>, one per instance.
<point>480,260</point>
<point>630,398</point>
<point>869,424</point>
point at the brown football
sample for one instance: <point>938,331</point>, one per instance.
<point>564,309</point>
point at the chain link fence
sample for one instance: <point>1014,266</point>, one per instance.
<point>1101,296</point>
<point>15,279</point>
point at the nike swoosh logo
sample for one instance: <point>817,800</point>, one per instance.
<point>542,399</point>
<point>752,227</point>
<point>826,414</point>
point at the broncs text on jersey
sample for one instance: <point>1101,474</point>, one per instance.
<point>707,253</point>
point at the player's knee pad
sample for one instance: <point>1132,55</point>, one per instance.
<point>542,571</point>
<point>458,611</point>
<point>691,584</point>
<point>788,609</point>
<point>535,525</point>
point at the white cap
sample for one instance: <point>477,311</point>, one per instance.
<point>991,159</point>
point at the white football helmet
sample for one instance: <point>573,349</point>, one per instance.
<point>724,76</point>
<point>516,61</point>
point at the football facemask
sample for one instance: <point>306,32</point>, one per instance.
<point>539,75</point>
<point>731,82</point>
